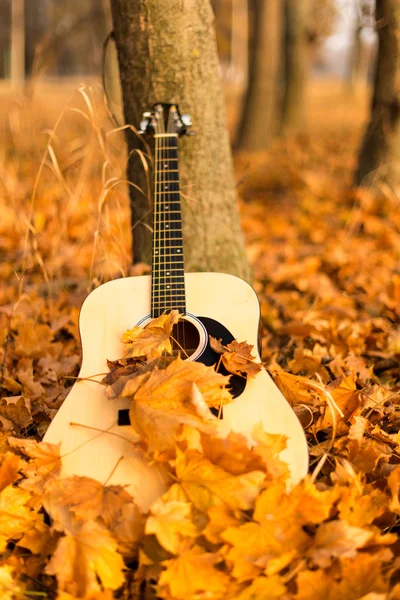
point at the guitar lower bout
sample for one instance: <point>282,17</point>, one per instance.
<point>95,447</point>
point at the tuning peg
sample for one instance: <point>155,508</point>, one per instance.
<point>186,120</point>
<point>145,123</point>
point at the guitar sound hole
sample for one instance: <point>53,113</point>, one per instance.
<point>185,339</point>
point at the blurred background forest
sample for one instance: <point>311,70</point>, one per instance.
<point>274,50</point>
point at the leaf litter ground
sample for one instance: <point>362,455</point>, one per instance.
<point>325,259</point>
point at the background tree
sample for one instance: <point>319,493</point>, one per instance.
<point>167,54</point>
<point>295,63</point>
<point>17,42</point>
<point>380,147</point>
<point>259,117</point>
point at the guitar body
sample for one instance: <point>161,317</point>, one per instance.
<point>96,446</point>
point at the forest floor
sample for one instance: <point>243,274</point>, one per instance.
<point>325,257</point>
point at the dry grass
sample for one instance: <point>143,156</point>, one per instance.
<point>63,199</point>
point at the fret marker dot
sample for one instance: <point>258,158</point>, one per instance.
<point>156,251</point>
<point>167,207</point>
<point>166,166</point>
<point>167,226</point>
<point>178,250</point>
<point>168,272</point>
<point>166,187</point>
<point>168,286</point>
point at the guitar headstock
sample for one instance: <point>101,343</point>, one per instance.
<point>165,119</point>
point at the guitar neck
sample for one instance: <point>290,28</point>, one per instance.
<point>168,283</point>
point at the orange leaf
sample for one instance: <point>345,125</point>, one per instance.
<point>237,357</point>
<point>193,575</point>
<point>153,340</point>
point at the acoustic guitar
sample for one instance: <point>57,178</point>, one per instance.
<point>213,304</point>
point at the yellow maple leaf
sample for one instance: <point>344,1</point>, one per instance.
<point>345,394</point>
<point>44,468</point>
<point>171,522</point>
<point>220,517</point>
<point>251,545</point>
<point>174,384</point>
<point>360,506</point>
<point>10,588</point>
<point>37,538</point>
<point>84,557</point>
<point>264,588</point>
<point>296,389</point>
<point>15,516</point>
<point>193,575</point>
<point>9,467</point>
<point>237,357</point>
<point>153,340</point>
<point>308,503</point>
<point>206,484</point>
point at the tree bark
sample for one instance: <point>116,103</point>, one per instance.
<point>17,42</point>
<point>295,58</point>
<point>167,53</point>
<point>379,151</point>
<point>259,117</point>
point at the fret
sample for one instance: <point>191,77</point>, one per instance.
<point>171,220</point>
<point>165,298</point>
<point>174,262</point>
<point>175,284</point>
<point>168,277</point>
<point>167,192</point>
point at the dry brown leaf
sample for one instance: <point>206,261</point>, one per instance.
<point>33,339</point>
<point>89,499</point>
<point>337,539</point>
<point>297,390</point>
<point>153,340</point>
<point>231,453</point>
<point>15,409</point>
<point>236,357</point>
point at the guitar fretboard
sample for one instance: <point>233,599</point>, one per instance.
<point>168,283</point>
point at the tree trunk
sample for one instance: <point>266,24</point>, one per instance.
<point>353,74</point>
<point>167,53</point>
<point>380,148</point>
<point>295,55</point>
<point>17,42</point>
<point>239,39</point>
<point>259,122</point>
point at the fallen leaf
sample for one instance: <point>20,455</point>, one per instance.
<point>193,574</point>
<point>206,484</point>
<point>89,499</point>
<point>9,467</point>
<point>153,340</point>
<point>236,357</point>
<point>83,558</point>
<point>171,522</point>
